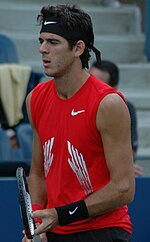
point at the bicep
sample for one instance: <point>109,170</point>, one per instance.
<point>113,122</point>
<point>37,155</point>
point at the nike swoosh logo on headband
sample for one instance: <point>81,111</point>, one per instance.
<point>49,22</point>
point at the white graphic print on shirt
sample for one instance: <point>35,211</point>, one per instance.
<point>76,163</point>
<point>48,155</point>
<point>78,166</point>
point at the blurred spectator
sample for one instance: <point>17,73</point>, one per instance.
<point>16,81</point>
<point>108,72</point>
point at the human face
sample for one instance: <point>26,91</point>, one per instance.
<point>56,55</point>
<point>102,75</point>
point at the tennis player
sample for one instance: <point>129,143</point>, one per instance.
<point>81,176</point>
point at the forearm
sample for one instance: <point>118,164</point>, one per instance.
<point>108,198</point>
<point>37,188</point>
<point>36,181</point>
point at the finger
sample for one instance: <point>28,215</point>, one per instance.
<point>138,170</point>
<point>43,237</point>
<point>26,240</point>
<point>37,214</point>
<point>37,224</point>
<point>40,229</point>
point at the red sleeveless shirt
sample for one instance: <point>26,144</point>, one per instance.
<point>74,161</point>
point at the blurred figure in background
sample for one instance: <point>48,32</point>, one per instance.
<point>108,72</point>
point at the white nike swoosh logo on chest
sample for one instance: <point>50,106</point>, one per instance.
<point>74,113</point>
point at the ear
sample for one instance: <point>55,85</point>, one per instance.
<point>79,48</point>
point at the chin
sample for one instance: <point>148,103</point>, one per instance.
<point>48,72</point>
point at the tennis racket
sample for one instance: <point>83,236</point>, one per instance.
<point>25,204</point>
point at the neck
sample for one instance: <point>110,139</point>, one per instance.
<point>69,84</point>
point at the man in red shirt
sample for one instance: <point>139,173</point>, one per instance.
<point>81,176</point>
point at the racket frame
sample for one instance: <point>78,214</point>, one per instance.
<point>25,203</point>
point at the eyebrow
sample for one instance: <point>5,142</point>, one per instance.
<point>48,39</point>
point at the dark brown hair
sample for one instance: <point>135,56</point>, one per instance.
<point>72,18</point>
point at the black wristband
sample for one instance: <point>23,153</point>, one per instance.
<point>72,213</point>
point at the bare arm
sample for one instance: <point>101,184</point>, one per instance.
<point>36,181</point>
<point>113,123</point>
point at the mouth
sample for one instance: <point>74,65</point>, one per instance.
<point>46,62</point>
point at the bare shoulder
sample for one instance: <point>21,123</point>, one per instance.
<point>112,110</point>
<point>112,100</point>
<point>28,99</point>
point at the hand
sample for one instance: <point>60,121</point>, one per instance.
<point>43,237</point>
<point>25,239</point>
<point>138,170</point>
<point>49,219</point>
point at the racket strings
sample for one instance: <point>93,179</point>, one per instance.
<point>25,203</point>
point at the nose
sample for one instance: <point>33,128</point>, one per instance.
<point>43,48</point>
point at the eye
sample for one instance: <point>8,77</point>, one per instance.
<point>53,42</point>
<point>40,41</point>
